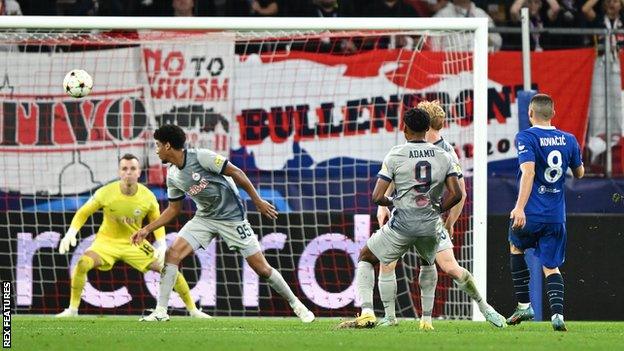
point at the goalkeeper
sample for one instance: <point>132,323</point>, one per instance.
<point>125,204</point>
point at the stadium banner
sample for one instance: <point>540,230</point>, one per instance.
<point>319,265</point>
<point>192,87</point>
<point>57,140</point>
<point>290,124</point>
<point>66,146</point>
<point>190,84</point>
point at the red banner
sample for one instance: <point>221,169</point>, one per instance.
<point>366,92</point>
<point>564,74</point>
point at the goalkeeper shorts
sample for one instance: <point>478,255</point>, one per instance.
<point>138,256</point>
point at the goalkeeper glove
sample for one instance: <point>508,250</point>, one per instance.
<point>160,251</point>
<point>68,240</point>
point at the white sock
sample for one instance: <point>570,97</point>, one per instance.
<point>277,282</point>
<point>427,279</point>
<point>387,285</point>
<point>365,280</point>
<point>367,311</point>
<point>555,316</point>
<point>467,284</point>
<point>168,277</point>
<point>524,306</point>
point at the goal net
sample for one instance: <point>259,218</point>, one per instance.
<point>308,114</point>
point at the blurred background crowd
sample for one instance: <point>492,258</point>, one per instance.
<point>502,13</point>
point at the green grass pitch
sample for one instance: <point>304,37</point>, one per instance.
<point>126,333</point>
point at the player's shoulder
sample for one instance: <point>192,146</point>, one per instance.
<point>201,152</point>
<point>397,149</point>
<point>193,154</point>
<point>526,134</point>
<point>568,136</point>
<point>109,188</point>
<point>443,153</point>
<point>204,156</point>
<point>144,191</point>
<point>442,143</point>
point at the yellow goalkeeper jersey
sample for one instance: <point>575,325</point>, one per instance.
<point>123,214</point>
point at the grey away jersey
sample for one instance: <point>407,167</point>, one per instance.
<point>419,171</point>
<point>201,178</point>
<point>451,150</point>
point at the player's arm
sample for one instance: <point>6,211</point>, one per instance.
<point>170,213</point>
<point>576,163</point>
<point>526,184</point>
<point>382,191</point>
<point>383,212</point>
<point>454,194</point>
<point>579,172</point>
<point>456,210</point>
<point>240,178</point>
<point>159,234</point>
<point>379,193</point>
<point>81,216</point>
<point>218,164</point>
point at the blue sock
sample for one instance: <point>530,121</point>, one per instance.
<point>520,275</point>
<point>554,291</point>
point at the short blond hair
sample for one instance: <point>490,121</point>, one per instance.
<point>436,113</point>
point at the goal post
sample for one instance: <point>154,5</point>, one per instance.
<point>307,122</point>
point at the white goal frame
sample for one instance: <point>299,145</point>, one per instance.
<point>480,74</point>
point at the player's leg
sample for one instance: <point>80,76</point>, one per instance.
<point>182,288</point>
<point>520,240</point>
<point>191,237</point>
<point>554,291</point>
<point>387,285</point>
<point>142,258</point>
<point>427,281</point>
<point>466,283</point>
<point>384,246</point>
<point>86,262</point>
<point>365,280</point>
<point>426,247</point>
<point>259,264</point>
<point>240,236</point>
<point>168,275</point>
<point>365,283</point>
<point>551,251</point>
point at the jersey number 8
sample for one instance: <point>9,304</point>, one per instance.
<point>554,170</point>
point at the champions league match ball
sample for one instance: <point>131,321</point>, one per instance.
<point>78,83</point>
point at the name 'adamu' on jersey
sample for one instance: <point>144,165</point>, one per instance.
<point>553,151</point>
<point>201,178</point>
<point>419,171</point>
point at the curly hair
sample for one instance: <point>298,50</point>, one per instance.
<point>172,134</point>
<point>417,120</point>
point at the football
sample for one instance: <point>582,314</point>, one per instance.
<point>78,83</point>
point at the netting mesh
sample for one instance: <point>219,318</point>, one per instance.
<point>307,115</point>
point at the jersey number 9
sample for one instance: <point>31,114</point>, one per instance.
<point>423,176</point>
